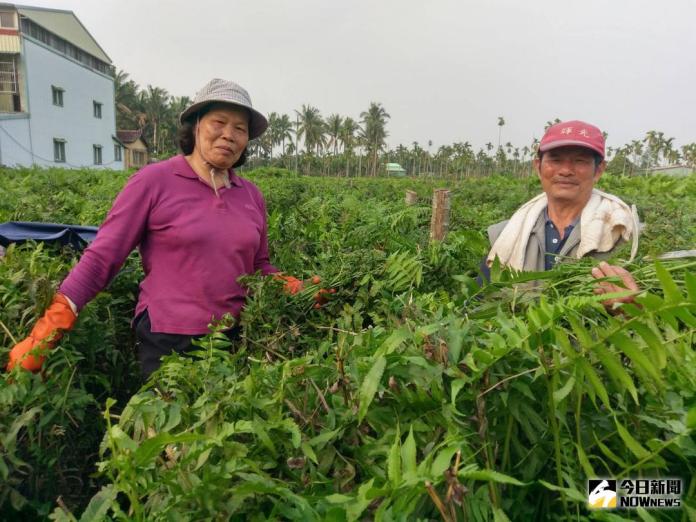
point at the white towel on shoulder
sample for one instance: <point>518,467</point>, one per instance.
<point>603,221</point>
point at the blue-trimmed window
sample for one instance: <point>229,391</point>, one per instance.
<point>97,151</point>
<point>59,150</point>
<point>57,93</point>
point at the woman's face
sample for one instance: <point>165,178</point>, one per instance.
<point>222,135</point>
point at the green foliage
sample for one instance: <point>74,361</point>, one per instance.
<point>411,386</point>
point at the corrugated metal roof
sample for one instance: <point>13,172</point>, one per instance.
<point>9,43</point>
<point>128,136</point>
<point>131,136</point>
<point>66,25</point>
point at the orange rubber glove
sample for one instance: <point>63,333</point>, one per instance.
<point>292,285</point>
<point>321,297</point>
<point>44,336</point>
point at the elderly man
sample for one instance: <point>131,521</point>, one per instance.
<point>571,218</point>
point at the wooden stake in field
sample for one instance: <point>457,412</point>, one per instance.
<point>411,198</point>
<point>439,222</point>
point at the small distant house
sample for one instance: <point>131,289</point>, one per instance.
<point>394,169</point>
<point>135,153</point>
<point>673,170</point>
<point>56,92</point>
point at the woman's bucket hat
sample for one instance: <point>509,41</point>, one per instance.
<point>223,91</point>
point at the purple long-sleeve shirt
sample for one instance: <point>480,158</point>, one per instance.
<point>194,245</point>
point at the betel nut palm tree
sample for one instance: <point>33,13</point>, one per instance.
<point>333,131</point>
<point>311,129</point>
<point>374,122</point>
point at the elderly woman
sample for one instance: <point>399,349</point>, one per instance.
<point>198,226</point>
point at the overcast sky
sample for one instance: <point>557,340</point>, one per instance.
<point>444,70</point>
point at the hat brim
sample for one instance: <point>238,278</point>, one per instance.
<point>568,143</point>
<point>257,121</point>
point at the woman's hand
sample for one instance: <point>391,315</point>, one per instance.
<point>292,285</point>
<point>59,317</point>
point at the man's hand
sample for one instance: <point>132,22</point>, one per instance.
<point>604,270</point>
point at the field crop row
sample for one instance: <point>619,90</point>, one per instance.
<point>412,394</point>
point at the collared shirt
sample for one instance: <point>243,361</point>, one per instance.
<point>194,245</point>
<point>553,240</point>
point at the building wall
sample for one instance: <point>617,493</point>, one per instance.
<point>131,159</point>
<point>15,140</point>
<point>74,122</point>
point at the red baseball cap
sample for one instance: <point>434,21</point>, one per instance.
<point>574,132</point>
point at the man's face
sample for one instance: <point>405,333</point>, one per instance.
<point>568,174</point>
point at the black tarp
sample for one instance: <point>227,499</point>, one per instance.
<point>76,236</point>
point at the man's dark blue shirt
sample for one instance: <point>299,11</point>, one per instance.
<point>554,243</point>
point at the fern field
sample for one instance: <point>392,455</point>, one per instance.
<point>414,393</point>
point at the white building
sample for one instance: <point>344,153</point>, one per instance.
<point>56,92</point>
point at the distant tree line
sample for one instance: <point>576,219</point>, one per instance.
<point>339,145</point>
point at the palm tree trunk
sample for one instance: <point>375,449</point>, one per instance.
<point>155,136</point>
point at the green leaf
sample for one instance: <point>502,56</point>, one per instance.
<point>296,436</point>
<point>499,515</point>
<point>260,431</point>
<point>690,282</point>
<point>173,417</point>
<point>202,458</point>
<point>392,342</point>
<point>324,437</point>
<point>394,461</point>
<point>616,371</point>
<point>656,345</point>
<point>595,381</point>
<point>443,461</point>
<point>456,387</point>
<point>609,453</point>
<point>153,446</point>
<point>59,515</point>
<point>563,392</point>
<point>19,422</point>
<point>122,440</point>
<point>691,418</point>
<point>17,500</point>
<point>309,452</point>
<point>585,462</point>
<point>644,515</point>
<point>581,333</point>
<point>489,475</point>
<point>369,386</point>
<point>638,358</point>
<point>572,493</point>
<point>408,455</point>
<point>338,498</point>
<point>564,343</point>
<point>632,444</point>
<point>669,287</point>
<point>455,341</point>
<point>4,470</point>
<point>686,317</point>
<point>355,508</point>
